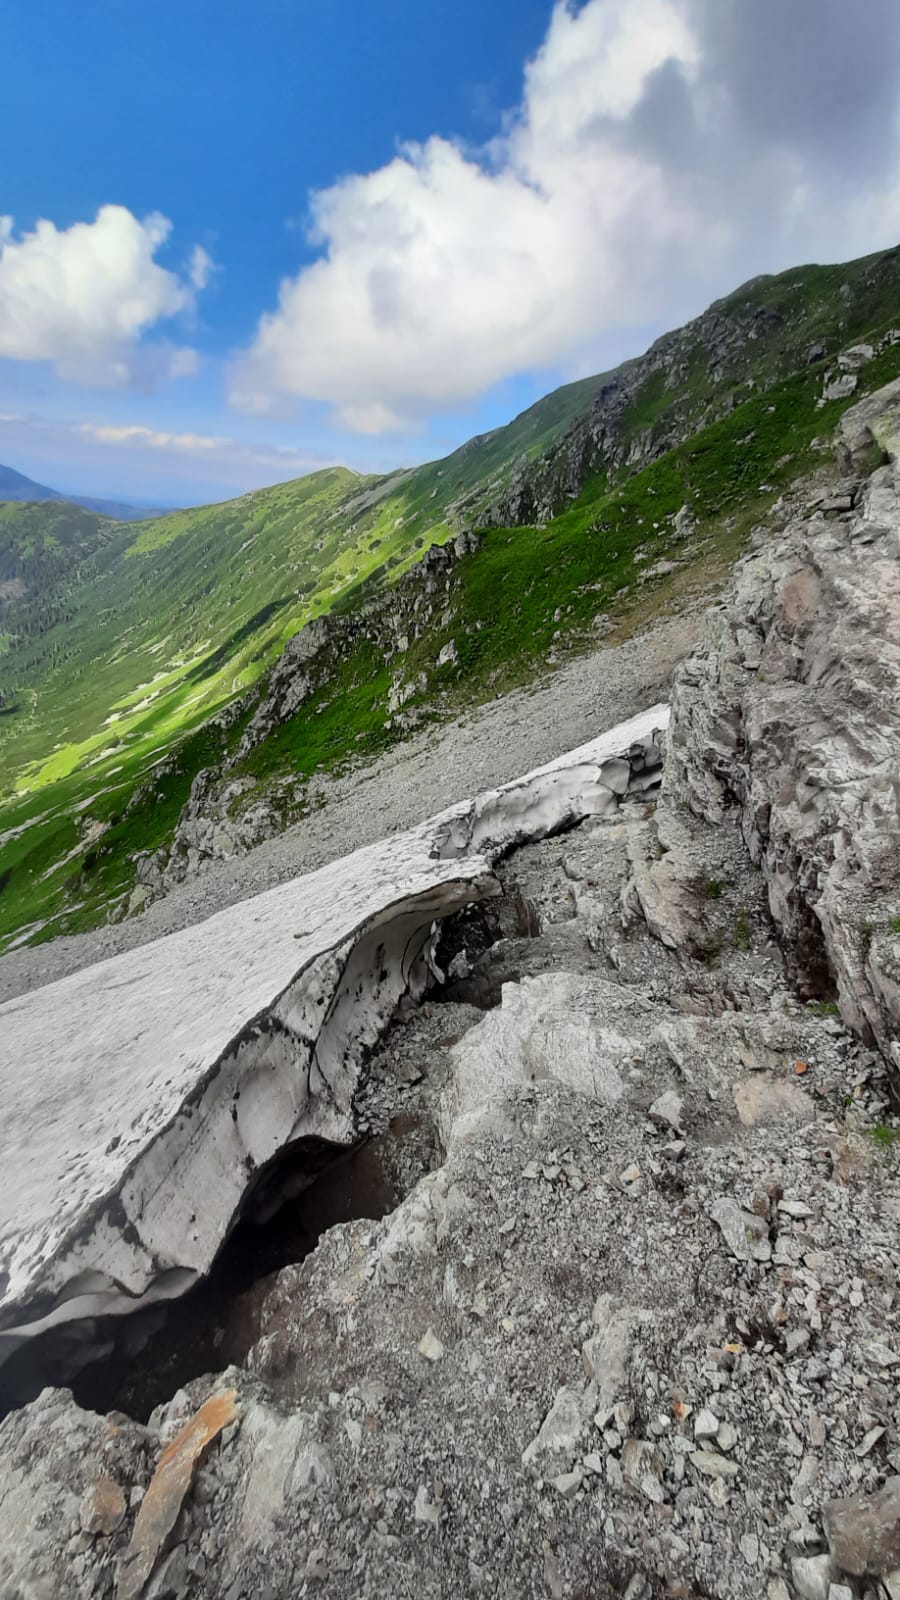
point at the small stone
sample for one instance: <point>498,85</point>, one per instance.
<point>668,1110</point>
<point>839,1591</point>
<point>797,1339</point>
<point>623,1415</point>
<point>714,1465</point>
<point>594,1463</point>
<point>727,1437</point>
<point>746,1235</point>
<point>567,1483</point>
<point>423,1508</point>
<point>777,1589</point>
<point>869,1442</point>
<point>560,1430</point>
<point>317,1564</point>
<point>630,1176</point>
<point>816,1432</point>
<point>430,1346</point>
<point>794,1208</point>
<point>811,1576</point>
<point>706,1425</point>
<point>102,1507</point>
<point>642,1468</point>
<point>552,1575</point>
<point>749,1545</point>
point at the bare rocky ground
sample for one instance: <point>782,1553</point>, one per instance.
<point>633,1330</point>
<point>629,1337</point>
<point>428,772</point>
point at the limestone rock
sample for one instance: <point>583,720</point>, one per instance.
<point>560,1430</point>
<point>605,1354</point>
<point>102,1507</point>
<point>864,1531</point>
<point>63,1469</point>
<point>790,710</point>
<point>551,1027</point>
<point>745,1233</point>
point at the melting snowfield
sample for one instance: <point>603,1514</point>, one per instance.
<point>143,1095</point>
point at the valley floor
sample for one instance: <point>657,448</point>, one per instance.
<point>433,769</point>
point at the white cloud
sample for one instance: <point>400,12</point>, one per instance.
<point>83,297</point>
<point>142,463</point>
<point>637,175</point>
<point>202,267</point>
<point>200,447</point>
<point>152,438</point>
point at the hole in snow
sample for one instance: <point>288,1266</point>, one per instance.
<point>467,952</point>
<point>133,1364</point>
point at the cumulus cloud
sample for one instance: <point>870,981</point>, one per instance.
<point>153,438</point>
<point>137,461</point>
<point>662,150</point>
<point>83,297</point>
<point>201,447</point>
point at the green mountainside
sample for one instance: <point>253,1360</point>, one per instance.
<point>118,642</point>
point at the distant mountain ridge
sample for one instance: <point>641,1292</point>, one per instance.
<point>15,486</point>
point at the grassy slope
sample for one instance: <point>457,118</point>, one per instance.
<point>537,592</point>
<point>175,616</point>
<point>197,604</point>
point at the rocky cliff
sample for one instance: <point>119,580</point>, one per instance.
<point>685,381</point>
<point>789,712</point>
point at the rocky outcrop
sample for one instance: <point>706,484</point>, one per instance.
<point>615,433</point>
<point>789,711</point>
<point>229,811</point>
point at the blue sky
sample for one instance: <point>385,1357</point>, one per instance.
<point>465,203</point>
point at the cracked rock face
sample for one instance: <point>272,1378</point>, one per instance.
<point>789,710</point>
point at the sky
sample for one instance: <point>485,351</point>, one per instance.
<point>242,241</point>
